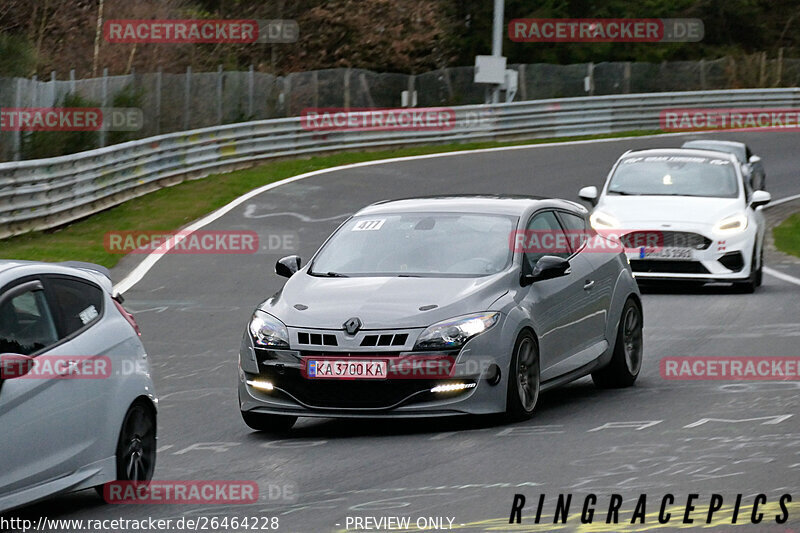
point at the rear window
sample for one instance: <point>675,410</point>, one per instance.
<point>77,303</point>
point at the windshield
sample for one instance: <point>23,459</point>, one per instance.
<point>418,244</point>
<point>675,176</point>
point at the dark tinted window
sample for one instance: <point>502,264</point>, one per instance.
<point>26,324</point>
<point>544,236</point>
<point>76,302</point>
<point>577,229</point>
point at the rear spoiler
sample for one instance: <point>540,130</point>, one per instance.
<point>87,266</point>
<point>100,273</point>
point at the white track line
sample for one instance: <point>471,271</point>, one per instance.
<point>139,272</point>
<point>772,272</point>
<point>781,276</point>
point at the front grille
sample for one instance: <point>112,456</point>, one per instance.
<point>668,267</point>
<point>352,393</point>
<point>316,339</point>
<point>367,354</point>
<point>732,261</point>
<point>385,340</point>
<point>667,239</point>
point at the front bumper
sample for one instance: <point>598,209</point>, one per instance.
<point>721,259</point>
<point>293,393</point>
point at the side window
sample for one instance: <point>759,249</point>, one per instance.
<point>578,229</point>
<point>26,324</point>
<point>77,303</point>
<point>545,236</point>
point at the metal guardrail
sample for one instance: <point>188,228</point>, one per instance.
<point>45,193</point>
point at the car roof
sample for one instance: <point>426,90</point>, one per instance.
<point>697,152</point>
<point>515,205</point>
<point>14,268</point>
<point>737,148</point>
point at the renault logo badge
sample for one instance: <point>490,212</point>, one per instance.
<point>352,326</point>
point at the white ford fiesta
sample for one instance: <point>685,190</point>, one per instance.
<point>683,215</point>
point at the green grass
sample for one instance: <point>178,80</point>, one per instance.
<point>787,235</point>
<point>174,207</point>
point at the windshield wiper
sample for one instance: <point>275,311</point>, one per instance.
<point>329,275</point>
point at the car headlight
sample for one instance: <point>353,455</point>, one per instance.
<point>729,225</point>
<point>267,330</point>
<point>455,332</point>
<point>600,220</point>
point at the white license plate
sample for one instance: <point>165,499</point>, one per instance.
<point>346,369</point>
<point>678,254</point>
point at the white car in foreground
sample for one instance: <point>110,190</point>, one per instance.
<point>693,208</point>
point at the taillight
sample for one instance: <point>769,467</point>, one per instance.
<point>127,315</point>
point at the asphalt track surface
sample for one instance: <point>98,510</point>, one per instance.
<point>658,437</point>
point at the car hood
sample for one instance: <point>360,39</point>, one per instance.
<point>635,211</point>
<point>382,302</point>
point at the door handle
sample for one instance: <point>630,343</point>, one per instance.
<point>588,285</point>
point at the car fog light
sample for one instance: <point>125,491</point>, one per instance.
<point>260,384</point>
<point>450,387</point>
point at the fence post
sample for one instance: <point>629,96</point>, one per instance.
<point>219,95</point>
<point>158,101</point>
<point>347,88</point>
<point>17,135</point>
<point>315,79</point>
<point>702,74</point>
<point>104,104</point>
<point>250,85</point>
<point>626,81</point>
<point>72,80</point>
<point>779,68</point>
<point>53,94</point>
<point>523,87</point>
<point>187,96</point>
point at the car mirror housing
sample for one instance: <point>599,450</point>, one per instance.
<point>589,194</point>
<point>760,198</point>
<point>754,159</point>
<point>288,266</point>
<point>547,267</point>
<point>14,365</point>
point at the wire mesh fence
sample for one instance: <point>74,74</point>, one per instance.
<point>178,102</point>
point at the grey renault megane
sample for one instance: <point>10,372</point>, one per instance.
<point>442,306</point>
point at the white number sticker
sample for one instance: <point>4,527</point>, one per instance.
<point>369,225</point>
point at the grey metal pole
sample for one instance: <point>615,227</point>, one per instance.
<point>497,40</point>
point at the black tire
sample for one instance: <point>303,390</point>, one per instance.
<point>524,382</point>
<point>626,361</point>
<point>268,423</point>
<point>136,445</point>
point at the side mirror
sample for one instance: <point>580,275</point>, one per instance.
<point>754,159</point>
<point>14,365</point>
<point>589,194</point>
<point>760,198</point>
<point>287,266</point>
<point>547,267</point>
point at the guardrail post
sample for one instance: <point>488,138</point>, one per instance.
<point>315,79</point>
<point>626,79</point>
<point>187,97</point>
<point>523,87</point>
<point>72,80</point>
